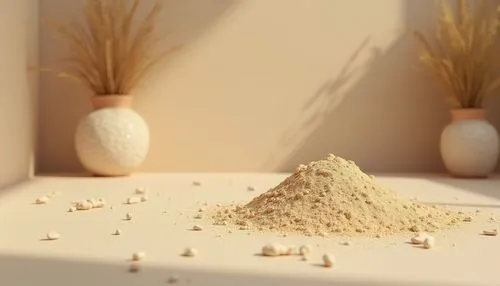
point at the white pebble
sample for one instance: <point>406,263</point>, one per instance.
<point>144,198</point>
<point>429,242</point>
<point>304,249</point>
<point>138,256</point>
<point>492,232</point>
<point>190,252</point>
<point>128,216</point>
<point>141,191</point>
<point>83,206</point>
<point>42,200</point>
<point>100,203</point>
<point>53,235</point>
<point>419,238</point>
<point>274,249</point>
<point>250,188</point>
<point>290,250</point>
<point>92,202</point>
<point>197,228</point>
<point>117,232</point>
<point>328,260</point>
<point>133,200</point>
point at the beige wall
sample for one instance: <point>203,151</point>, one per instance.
<point>262,85</point>
<point>18,50</point>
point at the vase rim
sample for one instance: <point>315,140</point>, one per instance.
<point>468,113</point>
<point>111,101</point>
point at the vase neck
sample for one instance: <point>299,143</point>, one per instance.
<point>111,101</point>
<point>468,114</point>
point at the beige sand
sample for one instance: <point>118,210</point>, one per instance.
<point>333,196</point>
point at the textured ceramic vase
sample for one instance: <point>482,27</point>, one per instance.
<point>113,140</point>
<point>469,144</point>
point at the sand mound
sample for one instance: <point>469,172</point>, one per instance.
<point>333,196</point>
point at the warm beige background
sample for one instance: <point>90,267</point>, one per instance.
<point>18,88</point>
<point>262,85</point>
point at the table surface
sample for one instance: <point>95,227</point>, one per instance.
<point>88,254</point>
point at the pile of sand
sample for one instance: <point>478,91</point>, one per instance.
<point>334,197</point>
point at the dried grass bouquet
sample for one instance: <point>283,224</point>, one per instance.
<point>107,56</point>
<point>464,58</point>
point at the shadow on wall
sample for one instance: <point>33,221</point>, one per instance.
<point>29,271</point>
<point>72,103</point>
<point>373,134</point>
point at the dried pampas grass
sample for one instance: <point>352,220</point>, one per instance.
<point>107,56</point>
<point>464,58</point>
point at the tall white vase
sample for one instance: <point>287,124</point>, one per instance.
<point>113,140</point>
<point>469,144</point>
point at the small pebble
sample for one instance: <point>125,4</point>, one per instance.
<point>196,183</point>
<point>305,258</point>
<point>53,235</point>
<point>133,200</point>
<point>198,216</point>
<point>292,249</point>
<point>250,188</point>
<point>200,210</point>
<point>328,260</point>
<point>429,242</point>
<point>140,191</point>
<point>419,238</point>
<point>492,232</point>
<point>274,249</point>
<point>468,219</point>
<point>117,232</point>
<point>190,252</point>
<point>128,216</point>
<point>304,249</point>
<point>144,198</point>
<point>138,256</point>
<point>42,200</point>
<point>92,202</point>
<point>84,206</point>
<point>197,228</point>
<point>71,209</point>
<point>100,203</point>
<point>346,243</point>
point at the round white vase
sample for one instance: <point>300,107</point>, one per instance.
<point>469,144</point>
<point>113,140</point>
